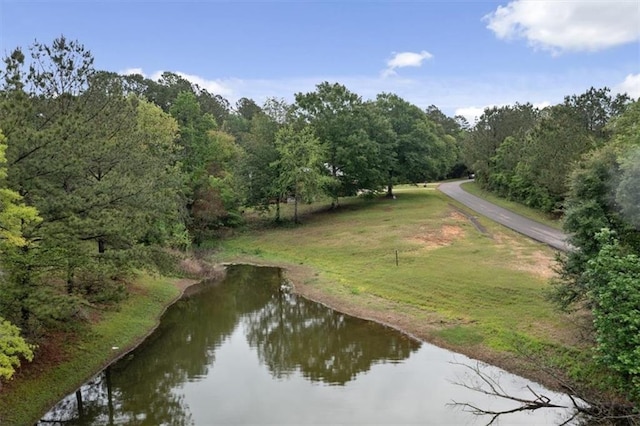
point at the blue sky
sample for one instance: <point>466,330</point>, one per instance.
<point>458,55</point>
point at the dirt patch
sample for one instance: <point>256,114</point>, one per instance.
<point>445,235</point>
<point>537,262</point>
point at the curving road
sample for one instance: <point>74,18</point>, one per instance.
<point>537,231</point>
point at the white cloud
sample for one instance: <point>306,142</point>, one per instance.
<point>218,87</point>
<point>471,114</point>
<point>542,105</point>
<point>630,86</point>
<point>405,59</point>
<point>560,26</point>
<point>214,86</point>
<point>131,71</point>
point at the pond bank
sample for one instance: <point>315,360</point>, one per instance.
<point>65,361</point>
<point>417,323</point>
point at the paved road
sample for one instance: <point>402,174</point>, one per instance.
<point>528,227</point>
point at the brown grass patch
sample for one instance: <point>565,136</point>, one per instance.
<point>445,235</point>
<point>539,262</point>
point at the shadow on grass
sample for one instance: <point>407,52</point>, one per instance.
<point>322,211</point>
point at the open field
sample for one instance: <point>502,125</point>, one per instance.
<point>477,290</point>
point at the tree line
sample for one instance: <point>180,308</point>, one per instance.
<point>579,160</point>
<point>101,173</point>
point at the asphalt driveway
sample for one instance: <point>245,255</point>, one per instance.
<point>537,231</point>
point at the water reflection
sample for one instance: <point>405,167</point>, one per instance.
<point>245,351</point>
<point>289,334</point>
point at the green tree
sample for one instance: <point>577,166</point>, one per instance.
<point>14,217</point>
<point>247,108</point>
<point>420,148</point>
<point>261,152</point>
<point>78,155</point>
<point>600,187</point>
<point>13,348</point>
<point>613,281</point>
<point>301,172</point>
<point>627,193</point>
<point>337,118</point>
<point>455,129</point>
<point>481,143</point>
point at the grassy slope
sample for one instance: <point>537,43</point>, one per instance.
<point>481,290</point>
<point>23,400</point>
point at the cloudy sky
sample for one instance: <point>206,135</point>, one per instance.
<point>460,55</point>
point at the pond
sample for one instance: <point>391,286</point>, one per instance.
<point>244,350</point>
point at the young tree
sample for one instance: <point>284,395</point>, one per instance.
<point>301,171</point>
<point>14,218</point>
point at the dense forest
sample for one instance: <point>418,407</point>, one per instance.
<point>102,174</point>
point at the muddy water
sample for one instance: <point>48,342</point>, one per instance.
<point>246,351</point>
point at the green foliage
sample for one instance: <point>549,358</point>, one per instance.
<point>601,195</point>
<point>99,165</point>
<point>496,124</point>
<point>416,148</point>
<point>12,349</point>
<point>527,155</point>
<point>628,193</point>
<point>337,118</point>
<point>15,216</point>
<point>613,281</point>
<point>301,172</point>
<point>88,351</point>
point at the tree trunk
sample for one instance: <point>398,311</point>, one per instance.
<point>109,395</point>
<point>69,279</point>
<point>295,209</point>
<point>101,245</point>
<point>80,404</point>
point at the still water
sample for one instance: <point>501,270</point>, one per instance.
<point>246,351</point>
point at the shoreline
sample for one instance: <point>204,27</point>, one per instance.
<point>299,275</point>
<point>424,331</point>
<point>182,285</point>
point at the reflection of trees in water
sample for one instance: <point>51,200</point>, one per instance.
<point>182,348</point>
<point>291,333</point>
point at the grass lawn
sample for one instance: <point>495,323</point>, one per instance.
<point>73,362</point>
<point>482,294</point>
<point>521,209</point>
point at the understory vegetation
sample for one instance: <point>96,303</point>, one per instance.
<point>106,176</point>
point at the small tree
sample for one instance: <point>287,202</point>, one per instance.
<point>301,170</point>
<point>13,216</point>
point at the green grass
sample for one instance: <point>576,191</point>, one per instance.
<point>446,268</point>
<point>533,214</point>
<point>23,402</point>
